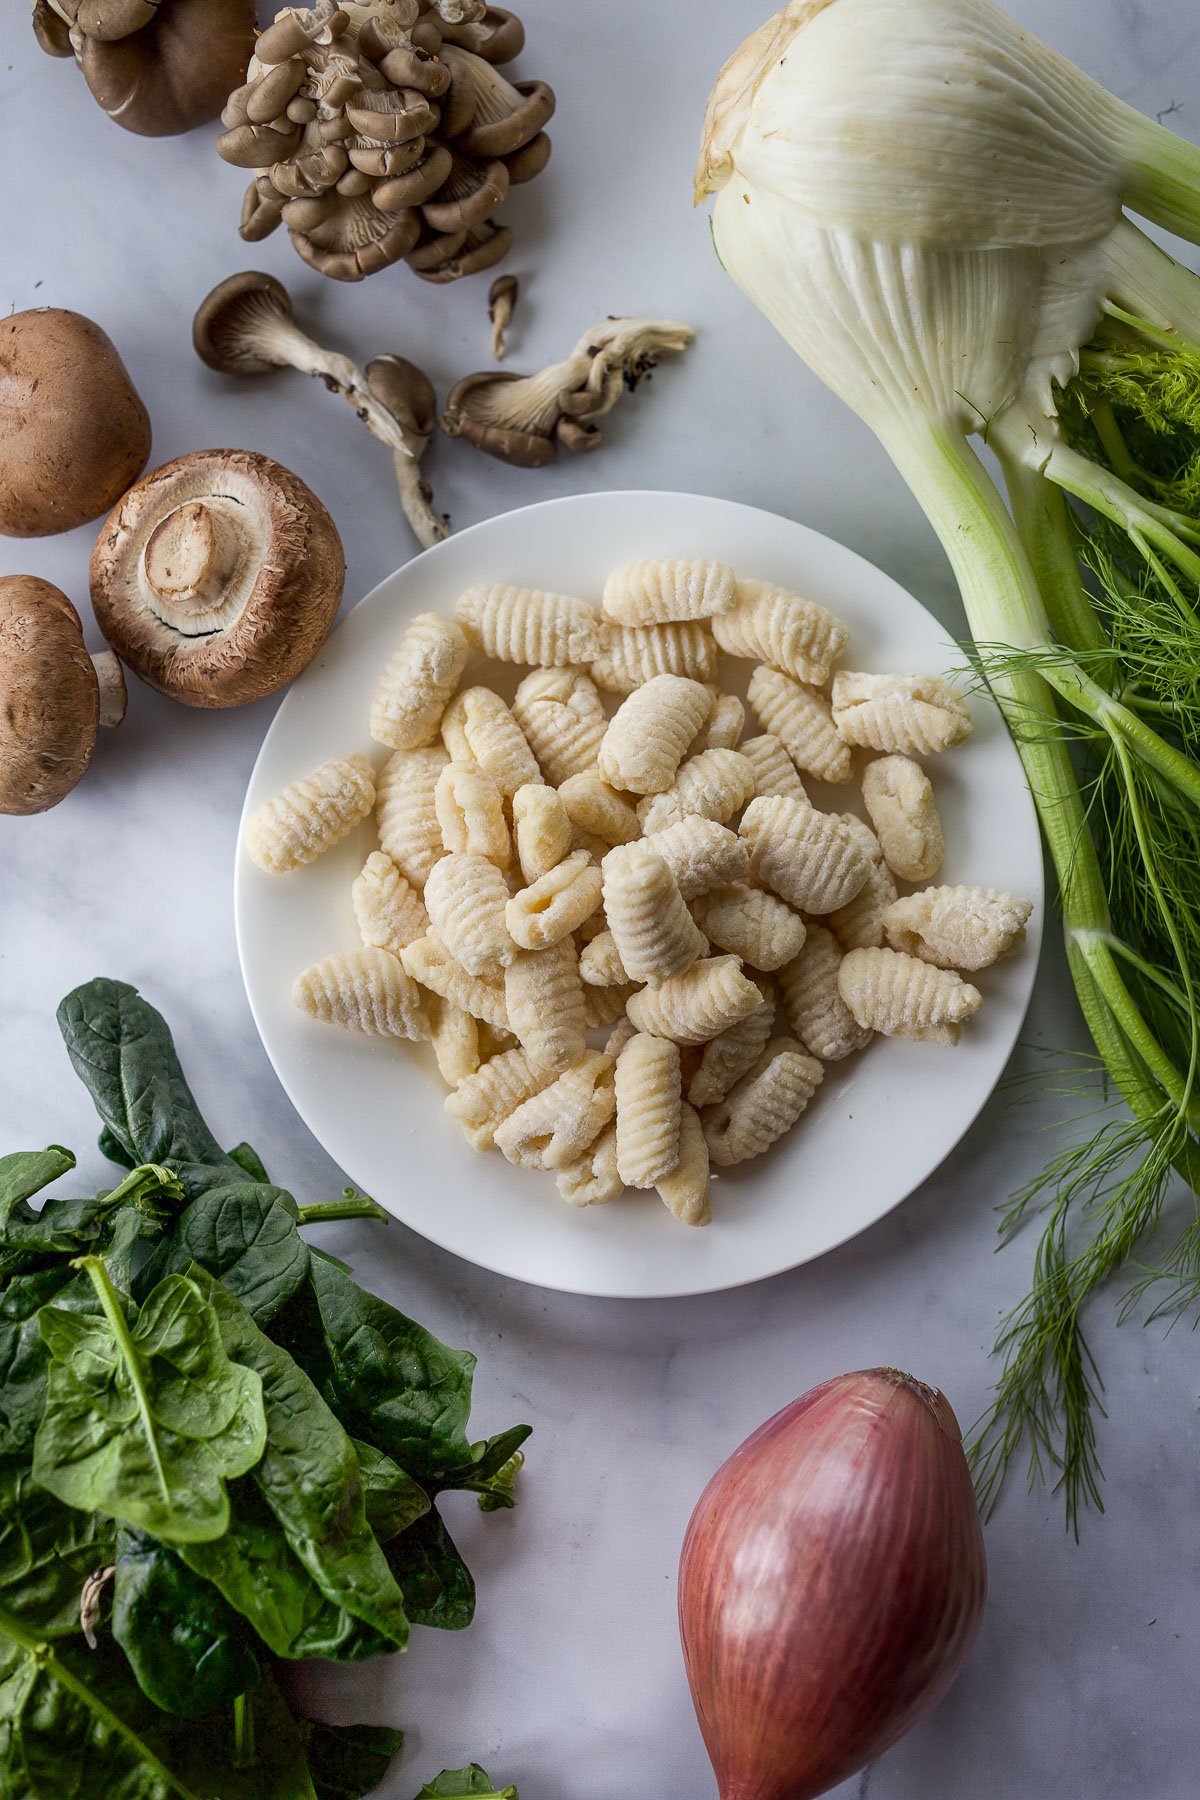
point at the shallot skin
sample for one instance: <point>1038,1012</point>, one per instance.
<point>831,1584</point>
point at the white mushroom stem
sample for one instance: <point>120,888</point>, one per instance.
<point>604,359</point>
<point>110,679</point>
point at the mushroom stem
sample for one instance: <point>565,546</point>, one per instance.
<point>417,500</point>
<point>110,679</point>
<point>502,298</point>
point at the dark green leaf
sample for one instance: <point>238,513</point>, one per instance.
<point>68,1228</point>
<point>465,1784</point>
<point>393,1499</point>
<point>436,1582</point>
<point>191,1652</point>
<point>245,1235</point>
<point>47,1552</point>
<point>27,1172</point>
<point>114,1149</point>
<point>348,1761</point>
<point>247,1157</point>
<point>489,1462</point>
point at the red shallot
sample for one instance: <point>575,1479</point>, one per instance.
<point>831,1584</point>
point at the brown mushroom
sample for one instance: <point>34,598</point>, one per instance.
<point>53,695</point>
<point>523,418</point>
<point>482,247</point>
<point>245,326</point>
<point>492,33</point>
<point>502,298</point>
<point>217,577</point>
<point>73,432</point>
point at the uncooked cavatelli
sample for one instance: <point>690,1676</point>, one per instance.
<point>466,898</point>
<point>478,727</point>
<point>556,904</point>
<point>648,735</point>
<point>701,854</point>
<point>563,719</point>
<point>774,770</point>
<point>727,1058</point>
<point>662,593</point>
<point>485,1099</point>
<point>389,911</point>
<point>815,1010</point>
<point>594,807</point>
<point>750,923</point>
<point>901,996</point>
<point>418,681</point>
<point>911,714</point>
<point>859,925</point>
<point>525,625</point>
<point>648,1109</point>
<point>428,961</point>
<point>809,858</point>
<point>764,1105</point>
<point>363,990</point>
<point>654,932</point>
<point>542,828</point>
<point>600,962</point>
<point>554,1128</point>
<point>406,811</point>
<point>636,654</point>
<point>800,717</point>
<point>544,996</point>
<point>691,1008</point>
<point>684,1191</point>
<point>715,784</point>
<point>726,722</point>
<point>958,927</point>
<point>593,1180</point>
<point>470,810</point>
<point>454,1035</point>
<point>603,1005</point>
<point>310,816</point>
<point>771,625</point>
<point>899,800</point>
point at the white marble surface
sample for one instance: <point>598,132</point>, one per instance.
<point>1083,1683</point>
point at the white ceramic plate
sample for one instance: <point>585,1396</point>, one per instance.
<point>881,1121</point>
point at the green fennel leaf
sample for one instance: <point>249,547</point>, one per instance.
<point>471,1783</point>
<point>190,1651</point>
<point>347,1762</point>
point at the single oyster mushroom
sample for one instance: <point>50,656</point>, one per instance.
<point>523,418</point>
<point>502,298</point>
<point>245,326</point>
<point>53,695</point>
<point>217,577</point>
<point>73,432</point>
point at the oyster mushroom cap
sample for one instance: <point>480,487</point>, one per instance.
<point>159,67</point>
<point>50,705</point>
<point>73,431</point>
<point>242,325</point>
<point>408,394</point>
<point>217,577</point>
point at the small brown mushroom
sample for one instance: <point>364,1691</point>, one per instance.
<point>523,418</point>
<point>73,432</point>
<point>502,298</point>
<point>245,326</point>
<point>53,695</point>
<point>217,577</point>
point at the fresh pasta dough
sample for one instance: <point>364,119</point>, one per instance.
<point>556,904</point>
<point>466,898</point>
<point>800,717</point>
<point>653,931</point>
<point>544,997</point>
<point>815,1010</point>
<point>563,719</point>
<point>957,927</point>
<point>901,996</point>
<point>310,816</point>
<point>809,858</point>
<point>661,593</point>
<point>363,990</point>
<point>389,911</point>
<point>701,854</point>
<point>693,1007</point>
<point>634,654</point>
<point>770,625</point>
<point>470,812</point>
<point>714,783</point>
<point>478,727</point>
<point>525,625</point>
<point>898,796</point>
<point>684,1189</point>
<point>648,1104</point>
<point>729,1055</point>
<point>764,1104</point>
<point>914,715</point>
<point>406,811</point>
<point>751,923</point>
<point>542,828</point>
<point>406,712</point>
<point>650,732</point>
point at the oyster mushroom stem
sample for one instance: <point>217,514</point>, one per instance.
<point>523,418</point>
<point>245,326</point>
<point>502,297</point>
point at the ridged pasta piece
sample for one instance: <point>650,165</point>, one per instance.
<point>427,666</point>
<point>593,925</point>
<point>901,996</point>
<point>600,962</point>
<point>898,796</point>
<point>597,809</point>
<point>809,858</point>
<point>691,1008</point>
<point>593,1180</point>
<point>542,828</point>
<point>815,1010</point>
<point>958,927</point>
<point>390,913</point>
<point>726,723</point>
<point>525,625</point>
<point>764,1105</point>
<point>684,1191</point>
<point>554,1128</point>
<point>466,898</point>
<point>800,717</point>
<point>563,719</point>
<point>484,1100</point>
<point>470,810</point>
<point>649,734</point>
<point>911,714</point>
<point>670,592</point>
<point>406,811</point>
<point>478,727</point>
<point>620,1034</point>
<point>771,625</point>
<point>652,928</point>
<point>311,815</point>
<point>494,1039</point>
<point>749,923</point>
<point>363,990</point>
<point>556,904</point>
<point>455,1038</point>
<point>648,1107</point>
<point>603,1005</point>
<point>727,1057</point>
<point>544,996</point>
<point>428,961</point>
<point>714,784</point>
<point>701,854</point>
<point>774,771</point>
<point>859,925</point>
<point>635,654</point>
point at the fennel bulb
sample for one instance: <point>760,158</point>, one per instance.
<point>929,206</point>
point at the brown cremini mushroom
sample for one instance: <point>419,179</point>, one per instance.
<point>245,326</point>
<point>53,695</point>
<point>217,577</point>
<point>522,419</point>
<point>157,67</point>
<point>73,432</point>
<point>502,298</point>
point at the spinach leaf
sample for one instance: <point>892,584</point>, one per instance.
<point>114,1150</point>
<point>245,1235</point>
<point>393,1499</point>
<point>348,1761</point>
<point>465,1784</point>
<point>246,1157</point>
<point>146,1417</point>
<point>27,1172</point>
<point>487,1471</point>
<point>47,1552</point>
<point>434,1579</point>
<point>191,1652</point>
<point>70,1228</point>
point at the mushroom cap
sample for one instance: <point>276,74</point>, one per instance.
<point>177,71</point>
<point>49,696</point>
<point>217,577</point>
<point>219,329</point>
<point>73,432</point>
<point>406,391</point>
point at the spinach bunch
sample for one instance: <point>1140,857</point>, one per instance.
<point>216,1450</point>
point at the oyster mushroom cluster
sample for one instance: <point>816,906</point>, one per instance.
<point>382,131</point>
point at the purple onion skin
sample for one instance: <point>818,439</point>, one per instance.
<point>831,1585</point>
